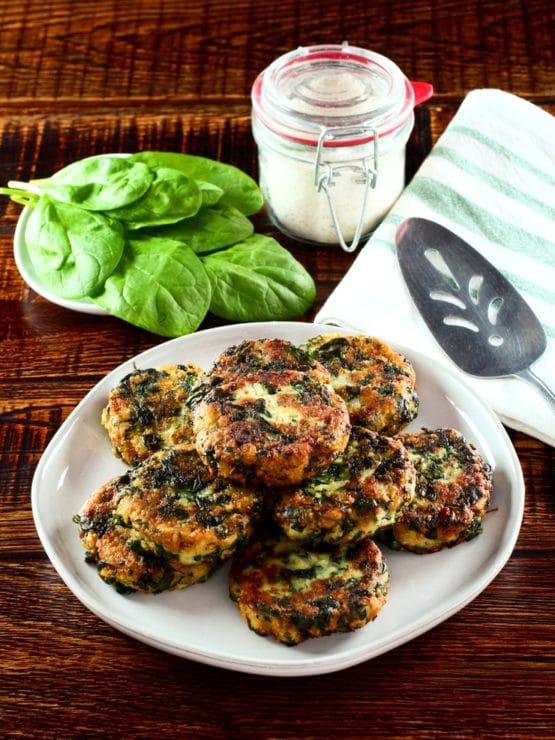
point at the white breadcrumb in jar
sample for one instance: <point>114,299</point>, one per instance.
<point>331,123</point>
<point>298,209</point>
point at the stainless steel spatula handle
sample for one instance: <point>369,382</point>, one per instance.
<point>539,384</point>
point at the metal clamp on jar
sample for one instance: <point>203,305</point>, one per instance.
<point>331,124</point>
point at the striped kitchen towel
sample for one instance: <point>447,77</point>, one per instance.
<point>491,179</point>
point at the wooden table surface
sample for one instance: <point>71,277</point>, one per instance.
<point>90,77</point>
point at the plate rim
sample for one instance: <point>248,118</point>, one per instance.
<point>316,664</point>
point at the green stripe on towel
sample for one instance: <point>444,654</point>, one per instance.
<point>497,183</point>
<point>459,209</point>
<point>504,151</point>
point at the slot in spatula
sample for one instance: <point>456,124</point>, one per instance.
<point>473,311</point>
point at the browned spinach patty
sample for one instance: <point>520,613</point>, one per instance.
<point>377,384</point>
<point>358,494</point>
<point>147,411</point>
<point>261,422</point>
<point>167,523</point>
<point>453,490</point>
<point>294,592</point>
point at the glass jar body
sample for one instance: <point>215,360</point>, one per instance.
<point>289,174</point>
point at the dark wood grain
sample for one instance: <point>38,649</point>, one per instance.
<point>84,78</point>
<point>127,53</point>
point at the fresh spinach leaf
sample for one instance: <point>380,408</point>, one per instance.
<point>73,250</point>
<point>98,183</point>
<point>211,194</point>
<point>258,280</point>
<point>240,190</point>
<point>159,285</point>
<point>130,240</point>
<point>170,197</point>
<point>212,228</point>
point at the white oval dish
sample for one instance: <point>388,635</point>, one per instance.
<point>201,623</point>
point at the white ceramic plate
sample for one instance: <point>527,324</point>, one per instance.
<point>201,623</point>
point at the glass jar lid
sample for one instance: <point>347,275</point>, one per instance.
<point>332,87</point>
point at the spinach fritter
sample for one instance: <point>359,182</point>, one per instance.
<point>294,592</point>
<point>147,411</point>
<point>358,494</point>
<point>377,384</point>
<point>453,491</point>
<point>267,415</point>
<point>167,523</point>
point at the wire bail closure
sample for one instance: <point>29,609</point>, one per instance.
<point>324,172</point>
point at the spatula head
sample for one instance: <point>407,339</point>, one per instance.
<point>474,313</point>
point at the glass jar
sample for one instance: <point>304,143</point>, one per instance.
<point>331,123</point>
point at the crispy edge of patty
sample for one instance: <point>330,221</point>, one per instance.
<point>360,492</point>
<point>151,542</point>
<point>377,383</point>
<point>147,411</point>
<point>253,355</point>
<point>175,504</point>
<point>120,559</point>
<point>294,593</point>
<point>239,437</point>
<point>123,563</point>
<point>454,485</point>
